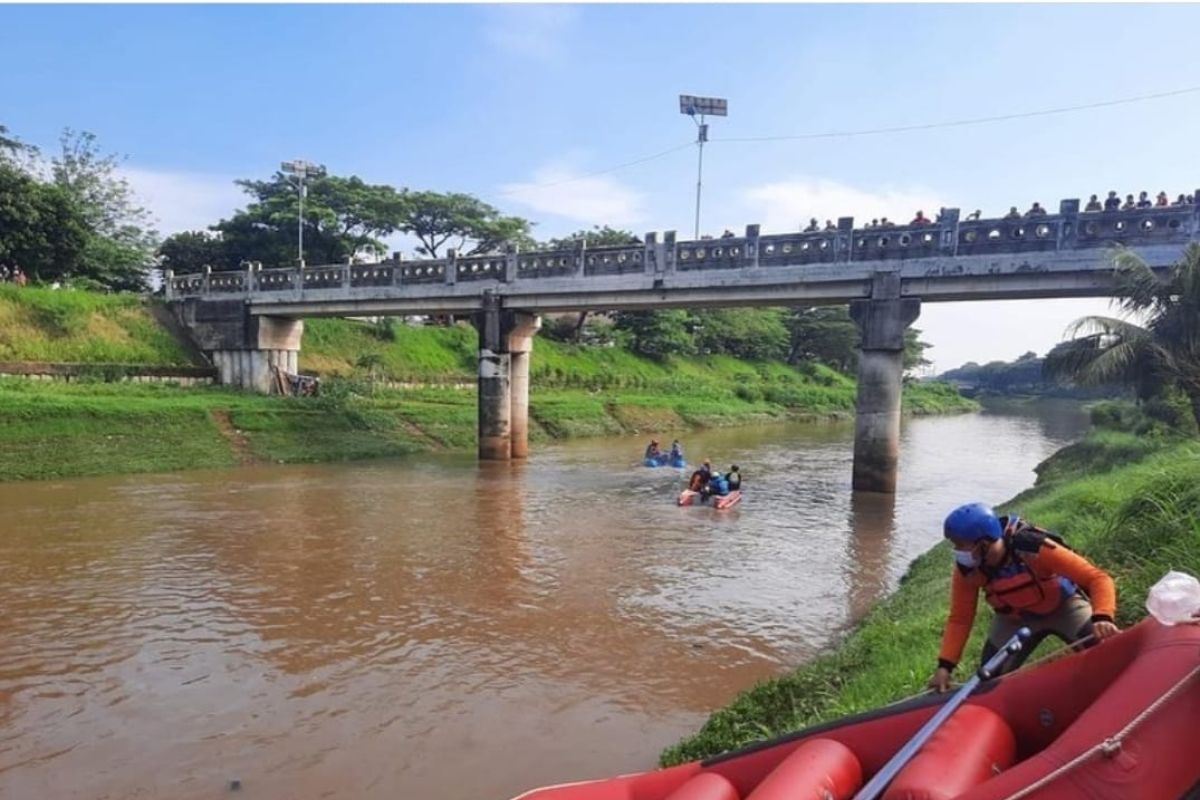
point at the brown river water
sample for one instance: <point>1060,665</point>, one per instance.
<point>435,628</point>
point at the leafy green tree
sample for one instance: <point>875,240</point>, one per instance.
<point>1161,352</point>
<point>466,223</point>
<point>657,334</point>
<point>192,251</point>
<point>825,334</point>
<point>914,349</point>
<point>595,237</point>
<point>342,216</point>
<point>123,240</point>
<point>750,333</point>
<point>42,228</point>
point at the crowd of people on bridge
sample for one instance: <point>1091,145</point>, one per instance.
<point>1111,203</point>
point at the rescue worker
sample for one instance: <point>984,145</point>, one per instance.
<point>1028,578</point>
<point>652,451</point>
<point>700,477</point>
<point>676,451</point>
<point>735,478</point>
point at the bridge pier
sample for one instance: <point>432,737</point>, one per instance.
<point>505,344</point>
<point>882,321</point>
<point>242,346</point>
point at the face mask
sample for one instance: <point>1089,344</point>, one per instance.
<point>966,558</point>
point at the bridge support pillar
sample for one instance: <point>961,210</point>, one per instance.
<point>882,321</point>
<point>505,342</point>
<point>244,348</point>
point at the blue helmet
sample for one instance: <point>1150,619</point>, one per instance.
<point>972,522</point>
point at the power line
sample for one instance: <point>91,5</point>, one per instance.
<point>962,122</point>
<point>865,132</point>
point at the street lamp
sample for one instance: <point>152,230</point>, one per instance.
<point>712,106</point>
<point>302,169</point>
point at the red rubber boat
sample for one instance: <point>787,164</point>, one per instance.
<point>690,498</point>
<point>1117,722</point>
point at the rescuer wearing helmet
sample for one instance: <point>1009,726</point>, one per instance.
<point>1029,577</point>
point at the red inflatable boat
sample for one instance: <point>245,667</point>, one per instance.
<point>690,498</point>
<point>1118,722</point>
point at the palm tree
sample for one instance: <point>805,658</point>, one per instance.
<point>1156,347</point>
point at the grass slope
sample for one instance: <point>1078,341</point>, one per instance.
<point>44,325</point>
<point>1137,516</point>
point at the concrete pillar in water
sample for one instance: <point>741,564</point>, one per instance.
<point>505,342</point>
<point>495,406</point>
<point>882,321</point>
<point>520,345</point>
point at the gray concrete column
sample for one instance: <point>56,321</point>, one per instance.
<point>882,321</point>
<point>495,407</point>
<point>520,346</point>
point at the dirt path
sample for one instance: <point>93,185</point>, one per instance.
<point>237,440</point>
<point>417,433</point>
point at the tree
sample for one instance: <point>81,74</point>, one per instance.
<point>123,240</point>
<point>469,224</point>
<point>1160,353</point>
<point>596,237</point>
<point>192,251</point>
<point>825,334</point>
<point>42,229</point>
<point>342,216</point>
<point>914,349</point>
<point>12,149</point>
<point>658,334</point>
<point>751,333</point>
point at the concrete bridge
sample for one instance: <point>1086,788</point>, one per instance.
<point>249,321</point>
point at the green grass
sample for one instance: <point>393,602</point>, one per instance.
<point>45,325</point>
<point>1137,519</point>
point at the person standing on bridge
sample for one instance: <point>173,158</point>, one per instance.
<point>1112,202</point>
<point>920,220</point>
<point>1094,204</point>
<point>1029,578</point>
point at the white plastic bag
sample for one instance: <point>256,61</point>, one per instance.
<point>1175,598</point>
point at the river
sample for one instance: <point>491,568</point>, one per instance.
<point>435,628</point>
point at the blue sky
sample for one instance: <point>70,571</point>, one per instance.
<point>500,100</point>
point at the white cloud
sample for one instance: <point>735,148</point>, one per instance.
<point>539,32</point>
<point>183,201</point>
<point>784,205</point>
<point>557,189</point>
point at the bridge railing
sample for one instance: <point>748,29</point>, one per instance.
<point>948,236</point>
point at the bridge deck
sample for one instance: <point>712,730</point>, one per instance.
<point>1060,255</point>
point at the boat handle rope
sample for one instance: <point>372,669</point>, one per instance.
<point>1108,747</point>
<point>897,762</point>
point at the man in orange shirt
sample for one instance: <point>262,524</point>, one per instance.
<point>1027,578</point>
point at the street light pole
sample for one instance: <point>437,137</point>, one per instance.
<point>701,138</point>
<point>690,105</point>
<point>301,169</point>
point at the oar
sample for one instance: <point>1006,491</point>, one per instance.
<point>876,785</point>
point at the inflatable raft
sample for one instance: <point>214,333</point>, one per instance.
<point>1116,722</point>
<point>690,498</point>
<point>663,460</point>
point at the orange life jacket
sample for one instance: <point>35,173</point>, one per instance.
<point>1017,586</point>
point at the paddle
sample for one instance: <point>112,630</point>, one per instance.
<point>876,785</point>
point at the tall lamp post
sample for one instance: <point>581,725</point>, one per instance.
<point>302,169</point>
<point>711,106</point>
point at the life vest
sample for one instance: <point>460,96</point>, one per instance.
<point>1016,586</point>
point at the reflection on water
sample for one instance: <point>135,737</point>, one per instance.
<point>438,628</point>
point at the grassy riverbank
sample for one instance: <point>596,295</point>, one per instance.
<point>54,430</point>
<point>1129,500</point>
<point>420,395</point>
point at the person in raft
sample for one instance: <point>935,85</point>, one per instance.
<point>652,451</point>
<point>1028,578</point>
<point>676,451</point>
<point>734,476</point>
<point>701,477</point>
